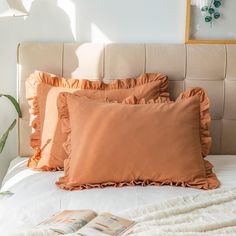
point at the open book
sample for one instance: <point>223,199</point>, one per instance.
<point>87,223</point>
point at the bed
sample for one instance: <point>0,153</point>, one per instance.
<point>36,196</point>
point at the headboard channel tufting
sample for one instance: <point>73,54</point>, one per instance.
<point>212,67</point>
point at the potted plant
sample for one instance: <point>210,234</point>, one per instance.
<point>4,136</point>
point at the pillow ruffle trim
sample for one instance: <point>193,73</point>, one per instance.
<point>39,77</point>
<point>210,182</point>
<point>55,81</point>
<point>205,118</point>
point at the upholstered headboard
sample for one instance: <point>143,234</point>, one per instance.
<point>212,67</point>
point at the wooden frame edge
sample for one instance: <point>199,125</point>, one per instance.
<point>187,21</point>
<point>200,41</point>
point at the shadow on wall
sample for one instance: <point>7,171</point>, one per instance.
<point>132,21</point>
<point>108,21</point>
<point>46,22</point>
<point>82,20</point>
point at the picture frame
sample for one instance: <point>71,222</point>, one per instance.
<point>218,31</point>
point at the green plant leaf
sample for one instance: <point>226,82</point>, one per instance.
<point>211,10</point>
<point>217,3</point>
<point>208,18</point>
<point>216,15</point>
<point>205,8</point>
<point>14,102</point>
<point>6,193</point>
<point>4,137</point>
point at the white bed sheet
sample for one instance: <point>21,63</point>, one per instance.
<point>36,196</point>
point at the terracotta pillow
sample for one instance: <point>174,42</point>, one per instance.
<point>113,144</point>
<point>42,90</point>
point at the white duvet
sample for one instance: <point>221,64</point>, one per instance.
<point>36,197</point>
<point>211,213</point>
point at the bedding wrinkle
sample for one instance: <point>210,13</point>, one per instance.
<point>39,187</point>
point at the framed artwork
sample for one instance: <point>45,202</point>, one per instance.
<point>210,21</point>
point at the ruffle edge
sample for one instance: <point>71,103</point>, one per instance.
<point>56,81</point>
<point>210,182</point>
<point>39,77</point>
<point>205,118</point>
<point>132,100</point>
<point>63,114</point>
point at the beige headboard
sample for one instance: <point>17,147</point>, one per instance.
<point>212,67</point>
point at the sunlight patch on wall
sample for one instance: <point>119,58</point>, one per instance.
<point>10,8</point>
<point>69,8</point>
<point>200,3</point>
<point>27,4</point>
<point>97,36</point>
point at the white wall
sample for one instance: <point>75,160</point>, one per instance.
<point>81,20</point>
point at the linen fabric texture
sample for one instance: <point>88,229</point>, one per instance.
<point>136,142</point>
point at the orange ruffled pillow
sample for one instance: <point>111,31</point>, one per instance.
<point>113,144</point>
<point>42,90</point>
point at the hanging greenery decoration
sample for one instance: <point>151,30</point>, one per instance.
<point>211,10</point>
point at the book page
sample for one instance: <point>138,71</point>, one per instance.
<point>67,222</point>
<point>105,224</point>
